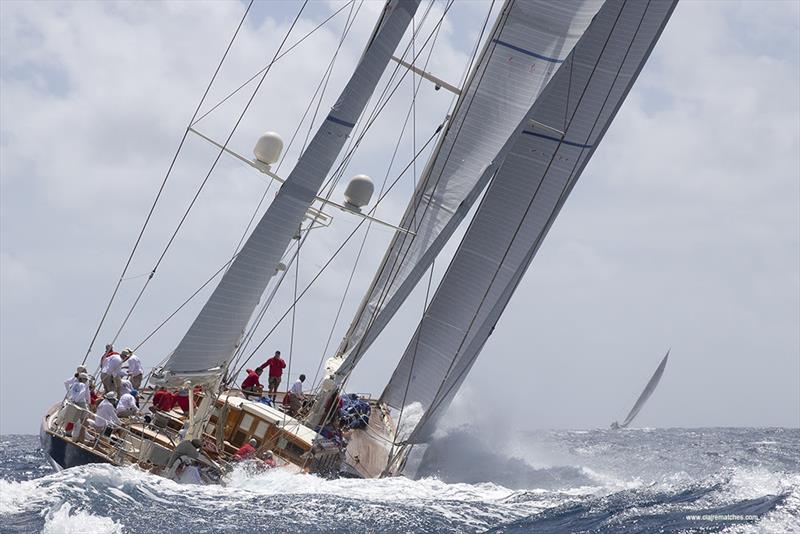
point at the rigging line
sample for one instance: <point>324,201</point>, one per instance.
<point>291,333</point>
<point>411,113</point>
<point>380,199</point>
<point>134,277</point>
<point>336,175</point>
<point>394,269</point>
<point>326,79</point>
<point>398,260</point>
<point>269,65</point>
<point>355,141</point>
<point>164,183</point>
<point>260,316</point>
<point>435,35</point>
<point>347,27</point>
<point>369,225</point>
<point>338,250</point>
<point>323,82</point>
<point>348,158</point>
<point>413,360</point>
<point>562,198</point>
<point>242,349</point>
<point>379,107</point>
<point>185,302</point>
<point>208,175</point>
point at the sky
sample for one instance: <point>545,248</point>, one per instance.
<point>683,231</point>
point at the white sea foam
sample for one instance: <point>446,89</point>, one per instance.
<point>63,520</point>
<point>279,482</point>
<point>16,497</point>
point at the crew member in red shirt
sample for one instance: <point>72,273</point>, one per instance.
<point>276,366</point>
<point>182,399</point>
<point>251,385</point>
<point>246,451</point>
<point>163,400</point>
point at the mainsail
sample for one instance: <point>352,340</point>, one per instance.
<point>553,145</point>
<point>528,43</point>
<point>213,337</point>
<point>648,390</point>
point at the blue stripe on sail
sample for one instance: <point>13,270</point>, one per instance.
<point>340,121</point>
<point>556,139</point>
<point>527,52</point>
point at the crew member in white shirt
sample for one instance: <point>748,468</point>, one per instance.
<point>127,404</point>
<point>78,400</point>
<point>296,396</point>
<point>106,414</point>
<point>62,413</point>
<point>125,386</point>
<point>74,378</point>
<point>112,373</point>
<point>134,367</point>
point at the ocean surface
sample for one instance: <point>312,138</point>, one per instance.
<point>635,480</point>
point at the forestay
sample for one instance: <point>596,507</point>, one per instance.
<point>521,203</point>
<point>213,337</point>
<point>528,43</point>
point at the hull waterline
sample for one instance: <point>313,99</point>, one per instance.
<point>61,453</point>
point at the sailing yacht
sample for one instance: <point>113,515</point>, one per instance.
<point>644,396</point>
<point>543,87</point>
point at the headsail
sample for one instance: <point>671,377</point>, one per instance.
<point>213,337</point>
<point>529,42</point>
<point>555,142</point>
<point>648,390</point>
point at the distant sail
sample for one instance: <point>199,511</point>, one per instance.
<point>212,339</point>
<point>556,141</point>
<point>648,390</point>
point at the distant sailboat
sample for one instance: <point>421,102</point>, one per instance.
<point>648,390</point>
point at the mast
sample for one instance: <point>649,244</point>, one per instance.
<point>554,143</point>
<point>206,349</point>
<point>527,44</point>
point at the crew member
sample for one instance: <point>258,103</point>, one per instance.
<point>251,384</point>
<point>111,373</point>
<point>78,400</point>
<point>125,386</point>
<point>182,399</point>
<point>134,367</point>
<point>246,451</point>
<point>164,400</point>
<point>61,418</point>
<point>109,351</point>
<point>276,366</point>
<point>296,396</point>
<point>106,414</point>
<point>68,383</point>
<point>127,404</point>
<point>269,459</point>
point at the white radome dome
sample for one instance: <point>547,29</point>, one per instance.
<point>268,148</point>
<point>359,192</point>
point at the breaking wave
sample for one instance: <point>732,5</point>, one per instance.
<point>548,481</point>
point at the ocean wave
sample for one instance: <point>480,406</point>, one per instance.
<point>63,520</point>
<point>635,482</point>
